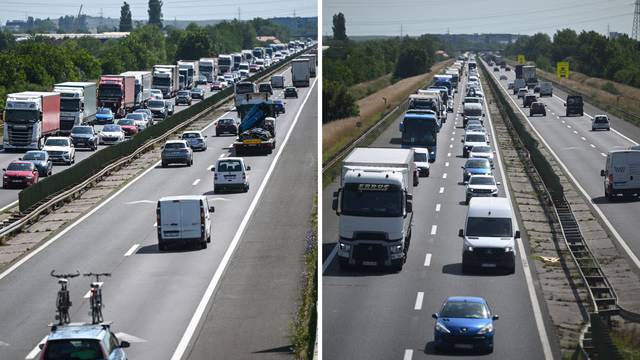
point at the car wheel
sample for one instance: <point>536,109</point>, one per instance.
<point>593,129</point>
<point>397,265</point>
<point>466,200</point>
<point>203,245</point>
<point>246,188</point>
<point>344,264</point>
<point>465,268</point>
<point>164,164</point>
<point>217,134</point>
<point>162,247</point>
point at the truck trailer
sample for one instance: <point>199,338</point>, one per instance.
<point>29,117</point>
<point>312,63</point>
<point>375,208</point>
<point>300,73</point>
<point>78,104</point>
<point>190,68</point>
<point>257,130</point>
<point>117,92</point>
<point>143,86</point>
<point>529,76</point>
<point>166,78</point>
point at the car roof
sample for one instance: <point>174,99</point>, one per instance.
<point>20,162</point>
<point>182,197</point>
<point>58,137</point>
<point>175,141</point>
<point>421,150</point>
<point>77,331</point>
<point>474,299</point>
<point>230,158</point>
<point>476,159</point>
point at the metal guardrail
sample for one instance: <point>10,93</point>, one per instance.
<point>18,221</point>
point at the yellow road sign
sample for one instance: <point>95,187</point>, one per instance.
<point>521,59</point>
<point>562,69</point>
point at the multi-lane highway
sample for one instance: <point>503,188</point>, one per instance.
<point>371,314</point>
<point>160,298</point>
<point>582,154</point>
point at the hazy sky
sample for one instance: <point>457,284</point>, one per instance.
<point>181,9</point>
<point>386,17</point>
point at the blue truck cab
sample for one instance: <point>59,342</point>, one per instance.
<point>420,129</point>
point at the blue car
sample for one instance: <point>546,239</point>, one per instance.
<point>104,116</point>
<point>279,106</point>
<point>464,323</point>
<point>475,166</point>
<point>83,341</point>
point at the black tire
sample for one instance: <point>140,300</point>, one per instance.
<point>465,268</point>
<point>246,188</point>
<point>203,244</point>
<point>344,264</point>
<point>466,201</point>
<point>428,172</point>
<point>164,164</point>
<point>397,265</point>
<point>162,247</point>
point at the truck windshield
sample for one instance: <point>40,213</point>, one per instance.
<point>423,104</point>
<point>372,201</point>
<point>69,104</point>
<point>489,227</point>
<point>245,88</point>
<point>21,116</point>
<point>109,91</point>
<point>161,81</point>
<point>472,112</point>
<point>475,138</point>
<point>419,132</point>
<point>224,61</point>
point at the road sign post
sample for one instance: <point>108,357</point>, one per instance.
<point>521,59</point>
<point>562,69</point>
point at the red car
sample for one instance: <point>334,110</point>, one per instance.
<point>217,85</point>
<point>128,126</point>
<point>20,173</point>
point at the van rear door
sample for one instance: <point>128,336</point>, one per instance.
<point>190,213</point>
<point>170,219</point>
<point>625,168</point>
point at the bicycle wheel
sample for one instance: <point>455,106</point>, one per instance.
<point>94,312</point>
<point>63,305</point>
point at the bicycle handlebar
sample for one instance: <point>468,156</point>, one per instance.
<point>97,275</point>
<point>64,276</point>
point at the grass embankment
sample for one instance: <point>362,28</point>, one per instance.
<point>339,133</point>
<point>304,326</point>
<point>628,342</point>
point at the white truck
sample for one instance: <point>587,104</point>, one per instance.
<point>190,70</point>
<point>165,78</point>
<point>78,104</point>
<point>437,97</point>
<point>206,67</point>
<point>225,64</point>
<point>143,86</point>
<point>621,174</point>
<point>183,219</point>
<point>300,73</point>
<point>375,208</point>
<point>312,63</point>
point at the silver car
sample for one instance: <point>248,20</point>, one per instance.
<point>176,151</point>
<point>600,122</point>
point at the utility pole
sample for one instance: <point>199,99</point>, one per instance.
<point>238,13</point>
<point>635,33</point>
<point>401,30</point>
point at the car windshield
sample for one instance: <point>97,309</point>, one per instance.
<point>372,200</point>
<point>190,136</point>
<point>81,130</point>
<point>36,155</point>
<point>475,138</point>
<point>489,227</point>
<point>155,104</point>
<point>56,142</point>
<point>419,157</point>
<point>126,122</point>
<point>104,111</point>
<point>476,163</point>
<point>176,145</point>
<point>85,349</point>
<point>464,310</point>
<point>601,119</point>
<point>229,165</point>
<point>226,121</point>
<point>481,149</point>
<point>481,180</point>
<point>19,166</point>
<point>135,116</point>
<point>111,128</point>
<point>183,93</point>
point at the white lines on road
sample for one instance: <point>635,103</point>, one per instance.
<point>210,167</point>
<point>575,132</point>
<point>427,260</point>
<point>446,163</point>
<point>408,354</point>
<point>133,248</point>
<point>196,182</point>
<point>441,190</point>
<point>418,305</point>
<point>437,207</point>
<point>603,154</point>
<point>583,138</point>
<point>444,176</point>
<point>593,146</point>
<point>453,133</point>
<point>450,146</point>
<point>569,126</point>
<point>223,155</point>
<point>434,229</point>
<point>448,154</point>
<point>559,118</point>
<point>36,350</point>
<point>452,139</point>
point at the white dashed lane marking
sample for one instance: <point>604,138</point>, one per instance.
<point>418,305</point>
<point>434,229</point>
<point>427,260</point>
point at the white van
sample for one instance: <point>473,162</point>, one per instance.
<point>277,81</point>
<point>230,173</point>
<point>546,89</point>
<point>489,236</point>
<point>621,173</point>
<point>184,219</point>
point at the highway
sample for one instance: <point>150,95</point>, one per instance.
<point>160,298</point>
<point>9,197</point>
<point>371,314</point>
<point>582,154</point>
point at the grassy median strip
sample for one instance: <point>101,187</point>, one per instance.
<point>304,326</point>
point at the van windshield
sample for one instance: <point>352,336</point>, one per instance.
<point>489,227</point>
<point>372,200</point>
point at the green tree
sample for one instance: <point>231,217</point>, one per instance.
<point>411,61</point>
<point>339,27</point>
<point>126,23</point>
<point>194,44</point>
<point>7,40</point>
<point>155,12</point>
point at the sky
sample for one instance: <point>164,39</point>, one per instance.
<point>416,17</point>
<point>180,9</point>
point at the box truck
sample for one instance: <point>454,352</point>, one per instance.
<point>142,88</point>
<point>117,92</point>
<point>78,104</point>
<point>166,79</point>
<point>300,73</point>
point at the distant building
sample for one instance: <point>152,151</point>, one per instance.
<point>271,39</point>
<point>614,35</point>
<point>16,25</point>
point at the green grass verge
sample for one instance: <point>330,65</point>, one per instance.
<point>627,342</point>
<point>303,329</point>
<point>362,90</point>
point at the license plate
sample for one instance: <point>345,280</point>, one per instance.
<point>17,181</point>
<point>488,265</point>
<point>463,346</point>
<point>251,141</point>
<point>369,263</point>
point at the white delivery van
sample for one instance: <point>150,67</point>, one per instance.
<point>230,173</point>
<point>621,173</point>
<point>184,219</point>
<point>489,236</point>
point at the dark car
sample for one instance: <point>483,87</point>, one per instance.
<point>176,151</point>
<point>529,99</point>
<point>537,108</point>
<point>183,97</point>
<point>290,92</point>
<point>278,105</point>
<point>574,105</point>
<point>84,136</point>
<point>20,173</point>
<point>158,108</point>
<point>536,89</point>
<point>496,69</point>
<point>202,80</point>
<point>41,160</point>
<point>265,88</point>
<point>197,93</point>
<point>227,126</point>
<point>507,69</point>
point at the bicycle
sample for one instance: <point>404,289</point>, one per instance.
<point>63,301</point>
<point>95,300</point>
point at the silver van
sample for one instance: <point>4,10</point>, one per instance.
<point>184,219</point>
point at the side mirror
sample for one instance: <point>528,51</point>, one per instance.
<point>495,317</point>
<point>603,173</point>
<point>434,315</point>
<point>409,206</point>
<point>461,233</point>
<point>565,105</point>
<point>462,140</point>
<point>124,344</point>
<point>517,234</point>
<point>248,168</point>
<point>212,209</point>
<point>4,169</point>
<point>483,115</point>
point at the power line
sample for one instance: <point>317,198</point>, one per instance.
<point>635,33</point>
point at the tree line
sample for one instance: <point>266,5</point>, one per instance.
<point>590,53</point>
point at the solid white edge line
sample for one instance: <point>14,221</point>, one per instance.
<point>427,260</point>
<point>408,354</point>
<point>537,312</point>
<point>419,298</point>
<point>36,350</point>
<point>8,206</point>
<point>133,248</point>
<point>213,284</point>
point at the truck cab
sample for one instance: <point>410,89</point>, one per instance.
<point>574,105</point>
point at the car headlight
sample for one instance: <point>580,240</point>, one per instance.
<point>396,249</point>
<point>441,328</point>
<point>485,330</point>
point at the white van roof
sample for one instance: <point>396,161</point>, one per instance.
<point>182,197</point>
<point>497,207</point>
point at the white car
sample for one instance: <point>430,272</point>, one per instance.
<point>421,160</point>
<point>140,120</point>
<point>600,122</point>
<point>481,185</point>
<point>244,74</point>
<point>111,134</point>
<point>230,173</point>
<point>156,94</point>
<point>522,92</point>
<point>60,149</point>
<point>482,151</point>
<point>471,139</point>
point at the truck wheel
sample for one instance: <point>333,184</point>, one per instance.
<point>162,247</point>
<point>203,244</point>
<point>466,268</point>
<point>397,265</point>
<point>164,164</point>
<point>344,264</point>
